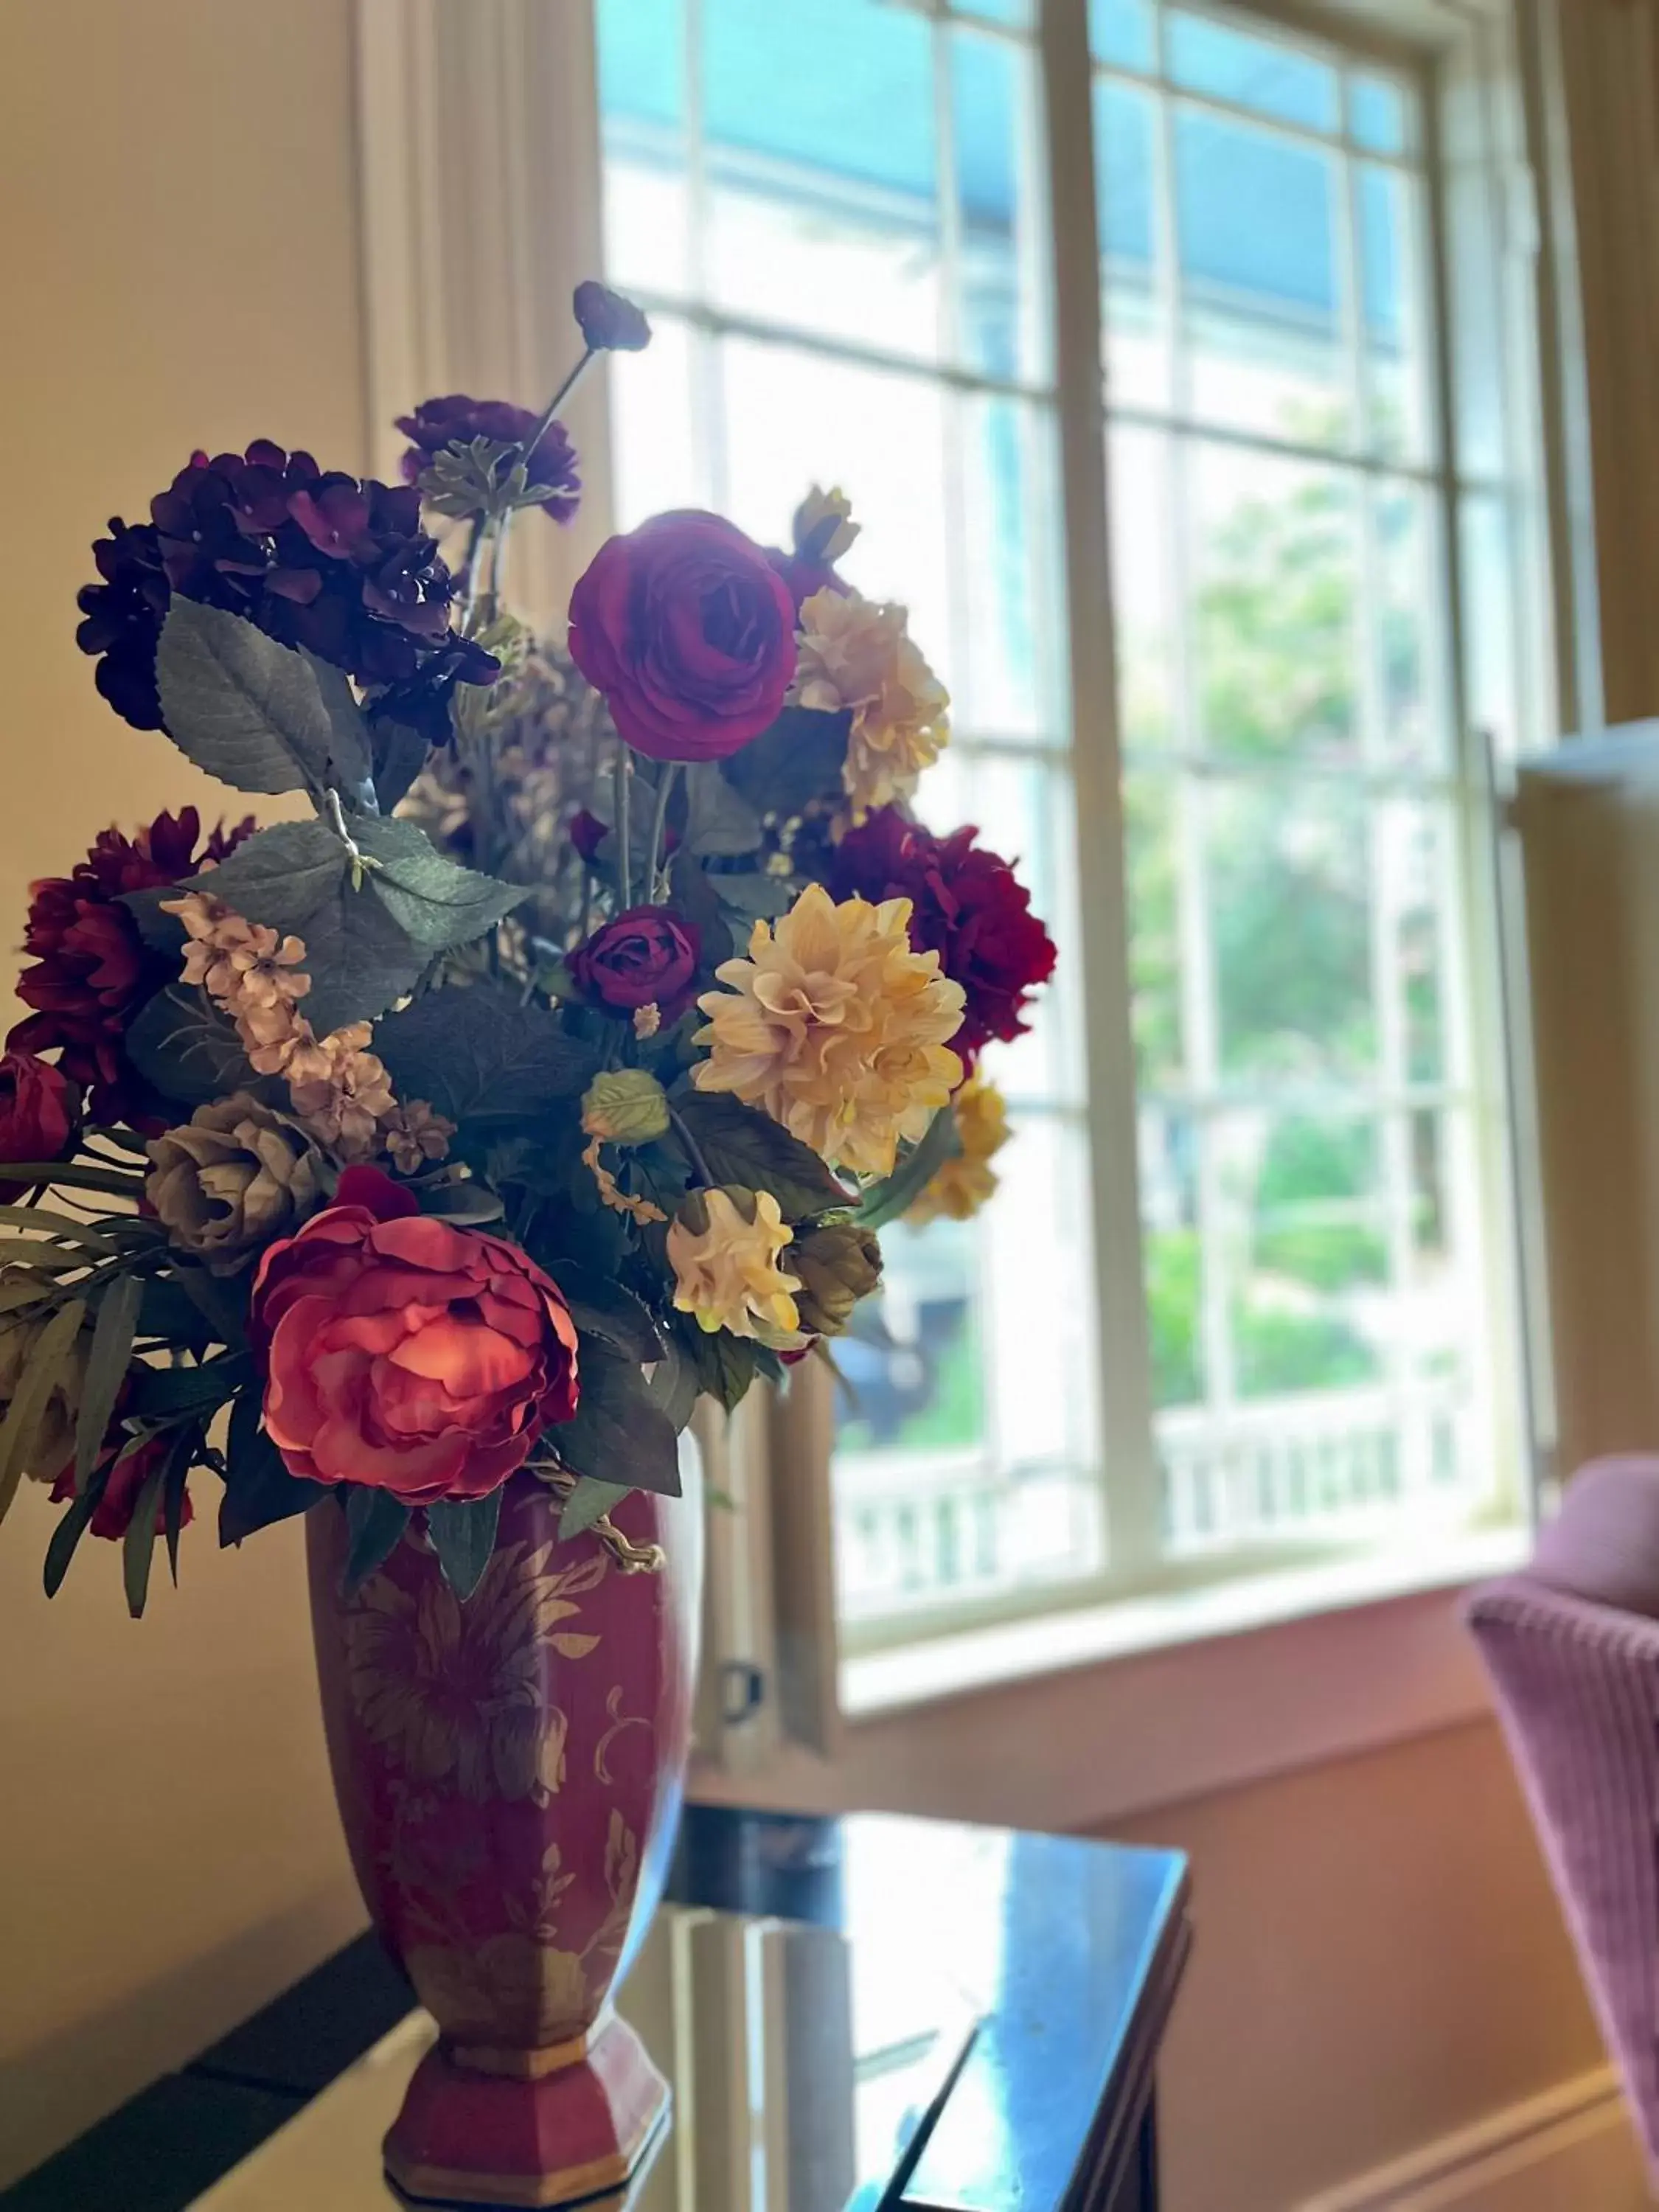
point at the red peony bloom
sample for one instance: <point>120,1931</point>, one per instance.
<point>689,632</point>
<point>95,969</point>
<point>966,905</point>
<point>457,419</point>
<point>646,956</point>
<point>113,1515</point>
<point>40,1108</point>
<point>405,1353</point>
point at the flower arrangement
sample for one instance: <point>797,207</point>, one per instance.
<point>559,1065</point>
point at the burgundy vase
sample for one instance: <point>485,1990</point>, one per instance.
<point>509,1774</point>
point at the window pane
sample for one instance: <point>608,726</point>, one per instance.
<point>1208,56</point>
<point>661,454</point>
<point>1024,810</point>
<point>1273,618</point>
<point>1017,13</point>
<point>1413,863</point>
<point>642,65</point>
<point>822,203</point>
<point>1257,216</point>
<point>1121,32</point>
<point>1288,869</point>
<point>1002,318</point>
<point>1008,679</point>
<point>1377,115</point>
<point>1139,467</point>
<point>1408,623</point>
<point>1172,1256</point>
<point>1395,357</point>
<point>1152,806</point>
<point>1133,286</point>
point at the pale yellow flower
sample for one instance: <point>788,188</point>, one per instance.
<point>823,526</point>
<point>836,1029</point>
<point>244,966</point>
<point>723,1246</point>
<point>961,1185</point>
<point>416,1134</point>
<point>857,653</point>
<point>342,1093</point>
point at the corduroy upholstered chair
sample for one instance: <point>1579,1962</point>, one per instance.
<point>1572,1647</point>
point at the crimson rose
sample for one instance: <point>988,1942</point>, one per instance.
<point>38,1109</point>
<point>112,1516</point>
<point>646,956</point>
<point>689,632</point>
<point>405,1353</point>
<point>966,904</point>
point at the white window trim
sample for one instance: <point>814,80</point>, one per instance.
<point>470,286</point>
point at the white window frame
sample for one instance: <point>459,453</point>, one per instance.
<point>468,286</point>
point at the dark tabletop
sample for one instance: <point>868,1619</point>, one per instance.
<point>956,2019</point>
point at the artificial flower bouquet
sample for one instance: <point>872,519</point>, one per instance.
<point>559,1064</point>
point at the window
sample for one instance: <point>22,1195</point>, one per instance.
<point>837,211</point>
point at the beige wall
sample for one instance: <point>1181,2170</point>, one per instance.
<point>1378,1958</point>
<point>1378,1962</point>
<point>177,267</point>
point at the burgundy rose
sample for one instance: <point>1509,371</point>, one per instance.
<point>93,969</point>
<point>457,419</point>
<point>609,323</point>
<point>40,1108</point>
<point>646,956</point>
<point>112,1516</point>
<point>405,1353</point>
<point>966,904</point>
<point>689,632</point>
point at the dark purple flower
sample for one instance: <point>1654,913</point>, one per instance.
<point>313,557</point>
<point>456,419</point>
<point>587,833</point>
<point>609,323</point>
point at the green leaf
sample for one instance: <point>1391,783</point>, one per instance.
<point>723,1365</point>
<point>62,1228</point>
<point>463,1533</point>
<point>218,1304</point>
<point>138,1547</point>
<point>697,899</point>
<point>601,1306</point>
<point>71,1527</point>
<point>798,760</point>
<point>399,756</point>
<point>587,1503</point>
<point>376,1522</point>
<point>74,1174</point>
<point>464,1202</point>
<point>349,740</point>
<point>755,896</point>
<point>672,1382</point>
<point>618,1431</point>
<point>259,1488</point>
<point>280,877</point>
<point>436,904</point>
<point>106,1370</point>
<point>158,1392</point>
<point>242,706</point>
<point>176,1475</point>
<point>40,1377</point>
<point>182,1044</point>
<point>742,1145</point>
<point>885,1201</point>
<point>720,822</point>
<point>475,1054</point>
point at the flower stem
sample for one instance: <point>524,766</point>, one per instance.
<point>624,858</point>
<point>693,1151</point>
<point>659,823</point>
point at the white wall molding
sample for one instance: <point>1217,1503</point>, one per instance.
<point>480,192</point>
<point>1570,2146</point>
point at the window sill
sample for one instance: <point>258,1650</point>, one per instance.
<point>1071,1722</point>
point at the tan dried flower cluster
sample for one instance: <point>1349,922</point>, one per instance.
<point>836,1029</point>
<point>341,1091</point>
<point>961,1185</point>
<point>857,653</point>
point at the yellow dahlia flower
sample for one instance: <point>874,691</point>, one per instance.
<point>836,1028</point>
<point>723,1246</point>
<point>857,653</point>
<point>961,1185</point>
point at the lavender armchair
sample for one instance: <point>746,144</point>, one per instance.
<point>1573,1648</point>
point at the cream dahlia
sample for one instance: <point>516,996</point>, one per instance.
<point>858,653</point>
<point>836,1029</point>
<point>961,1185</point>
<point>723,1246</point>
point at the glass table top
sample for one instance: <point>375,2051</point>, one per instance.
<point>851,2015</point>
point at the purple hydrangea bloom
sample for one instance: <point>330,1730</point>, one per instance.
<point>457,419</point>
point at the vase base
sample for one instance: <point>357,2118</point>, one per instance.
<point>471,2139</point>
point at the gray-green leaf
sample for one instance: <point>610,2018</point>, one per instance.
<point>376,1522</point>
<point>106,1368</point>
<point>587,1503</point>
<point>242,706</point>
<point>618,1431</point>
<point>436,904</point>
<point>474,1053</point>
<point>182,1044</point>
<point>463,1533</point>
<point>720,823</point>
